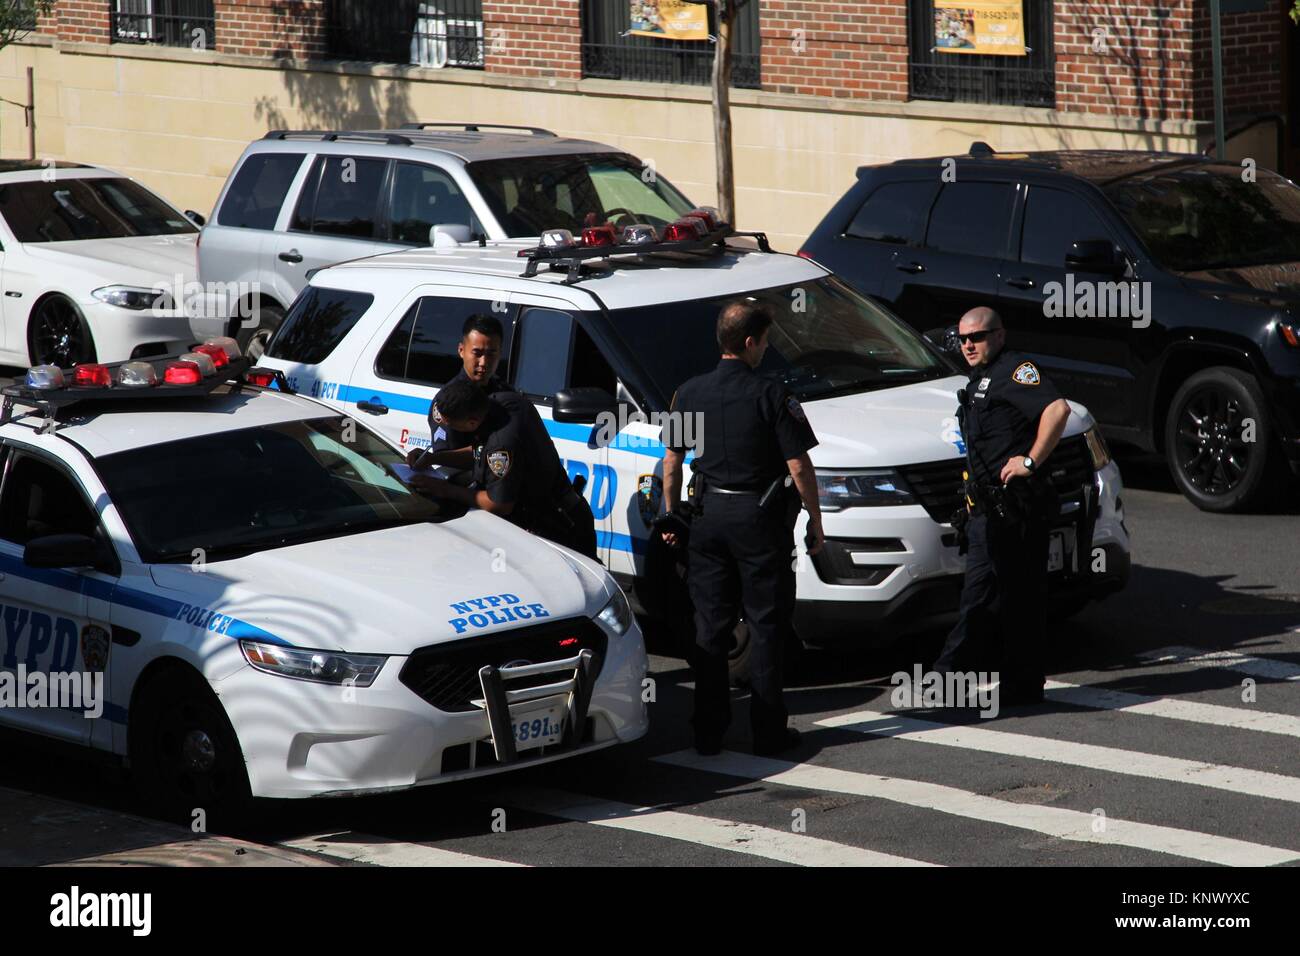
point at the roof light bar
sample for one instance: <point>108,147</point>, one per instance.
<point>92,375</point>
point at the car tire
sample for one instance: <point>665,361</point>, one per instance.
<point>57,334</point>
<point>1211,462</point>
<point>184,754</point>
<point>253,341</point>
<point>741,654</point>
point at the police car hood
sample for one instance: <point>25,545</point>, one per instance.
<point>394,590</point>
<point>905,425</point>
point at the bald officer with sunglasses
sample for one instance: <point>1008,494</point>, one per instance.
<point>1012,418</point>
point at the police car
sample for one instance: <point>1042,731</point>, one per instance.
<point>269,610</point>
<point>602,328</point>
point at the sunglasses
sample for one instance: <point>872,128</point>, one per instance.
<point>976,337</point>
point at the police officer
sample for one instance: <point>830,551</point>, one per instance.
<point>517,472</point>
<point>480,354</point>
<point>1012,418</point>
<point>751,439</point>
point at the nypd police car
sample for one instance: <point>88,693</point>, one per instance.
<point>600,331</point>
<point>269,610</point>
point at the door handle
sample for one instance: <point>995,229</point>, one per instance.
<point>293,255</point>
<point>910,267</point>
<point>1024,282</point>
<point>373,408</point>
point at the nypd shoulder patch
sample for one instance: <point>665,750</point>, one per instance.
<point>796,409</point>
<point>1026,374</point>
<point>435,414</point>
<point>499,463</point>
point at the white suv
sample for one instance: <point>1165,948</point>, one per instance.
<point>600,346</point>
<point>300,200</point>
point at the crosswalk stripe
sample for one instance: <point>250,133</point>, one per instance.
<point>1101,698</point>
<point>1255,666</point>
<point>381,851</point>
<point>720,834</point>
<point>1059,822</point>
<point>1133,763</point>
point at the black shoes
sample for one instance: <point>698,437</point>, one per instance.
<point>708,746</point>
<point>770,746</point>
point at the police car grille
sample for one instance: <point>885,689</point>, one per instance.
<point>1070,466</point>
<point>937,486</point>
<point>446,675</point>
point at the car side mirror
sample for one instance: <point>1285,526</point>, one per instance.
<point>1095,255</point>
<point>196,217</point>
<point>945,339</point>
<point>448,235</point>
<point>582,405</point>
<point>62,551</point>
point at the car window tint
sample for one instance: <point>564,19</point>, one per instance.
<point>434,358</point>
<point>545,343</point>
<point>317,321</point>
<point>391,361</point>
<point>1053,221</point>
<point>971,219</point>
<point>258,190</point>
<point>424,196</point>
<point>348,196</point>
<point>590,369</point>
<point>895,212</point>
<point>40,500</point>
<point>96,208</point>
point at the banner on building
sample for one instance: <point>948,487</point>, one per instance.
<point>670,19</point>
<point>980,26</point>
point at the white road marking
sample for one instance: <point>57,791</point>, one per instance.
<point>1054,821</point>
<point>381,851</point>
<point>1133,763</point>
<point>1242,718</point>
<point>1246,664</point>
<point>747,838</point>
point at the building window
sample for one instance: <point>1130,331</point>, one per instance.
<point>189,23</point>
<point>433,33</point>
<point>610,54</point>
<point>1028,80</point>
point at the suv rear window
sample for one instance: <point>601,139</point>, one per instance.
<point>69,209</point>
<point>317,322</point>
<point>254,198</point>
<point>972,219</point>
<point>341,197</point>
<point>895,212</point>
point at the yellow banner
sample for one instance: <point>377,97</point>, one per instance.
<point>670,19</point>
<point>980,26</point>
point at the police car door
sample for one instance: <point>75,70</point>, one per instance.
<point>54,620</point>
<point>401,368</point>
<point>552,354</point>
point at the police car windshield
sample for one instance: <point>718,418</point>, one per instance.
<point>530,194</point>
<point>238,492</point>
<point>825,340</point>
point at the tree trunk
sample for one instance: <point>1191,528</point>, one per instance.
<point>722,110</point>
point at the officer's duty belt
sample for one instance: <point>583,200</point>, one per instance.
<point>710,489</point>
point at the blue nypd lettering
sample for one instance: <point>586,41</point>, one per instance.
<point>493,609</point>
<point>205,618</point>
<point>601,489</point>
<point>42,637</point>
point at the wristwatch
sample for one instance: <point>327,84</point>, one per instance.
<point>1029,464</point>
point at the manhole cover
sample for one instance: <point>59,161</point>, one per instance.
<point>1030,793</point>
<point>1247,604</point>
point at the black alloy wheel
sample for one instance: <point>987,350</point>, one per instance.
<point>57,334</point>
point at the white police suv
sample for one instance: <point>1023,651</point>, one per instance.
<point>600,332</point>
<point>268,610</point>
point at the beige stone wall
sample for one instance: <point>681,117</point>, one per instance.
<point>177,120</point>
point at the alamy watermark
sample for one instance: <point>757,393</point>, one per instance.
<point>1090,299</point>
<point>673,429</point>
<point>946,689</point>
<point>62,690</point>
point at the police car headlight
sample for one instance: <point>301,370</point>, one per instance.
<point>837,490</point>
<point>617,615</point>
<point>1097,449</point>
<point>323,667</point>
<point>133,297</point>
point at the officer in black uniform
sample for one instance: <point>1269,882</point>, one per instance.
<point>751,440</point>
<point>480,354</point>
<point>1012,418</point>
<point>517,472</point>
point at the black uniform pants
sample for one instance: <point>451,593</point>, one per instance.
<point>741,561</point>
<point>1002,621</point>
<point>571,524</point>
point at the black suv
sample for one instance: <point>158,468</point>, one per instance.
<point>1161,290</point>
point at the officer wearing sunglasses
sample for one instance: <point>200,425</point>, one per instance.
<point>1012,418</point>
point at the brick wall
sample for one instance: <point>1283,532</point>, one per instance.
<point>1252,63</point>
<point>850,49</point>
<point>82,20</point>
<point>279,28</point>
<point>533,38</point>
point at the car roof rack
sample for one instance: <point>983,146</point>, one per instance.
<point>479,127</point>
<point>329,136</point>
<point>981,149</point>
<point>573,258</point>
<point>52,402</point>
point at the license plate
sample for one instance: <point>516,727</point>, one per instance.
<point>539,723</point>
<point>1055,552</point>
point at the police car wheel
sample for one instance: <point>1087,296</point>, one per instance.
<point>253,341</point>
<point>1218,438</point>
<point>184,753</point>
<point>57,334</point>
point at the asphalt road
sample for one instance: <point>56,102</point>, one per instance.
<point>1146,752</point>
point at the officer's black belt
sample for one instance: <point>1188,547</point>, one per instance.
<point>710,489</point>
